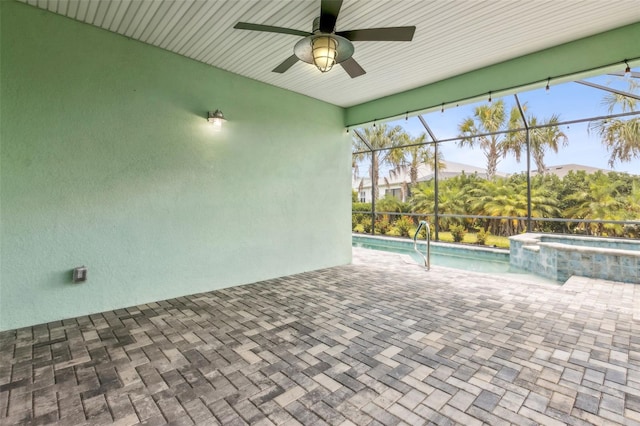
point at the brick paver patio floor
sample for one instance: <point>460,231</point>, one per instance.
<point>378,342</point>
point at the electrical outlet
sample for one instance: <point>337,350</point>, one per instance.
<point>79,274</point>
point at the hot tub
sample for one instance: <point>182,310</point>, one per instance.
<point>558,256</point>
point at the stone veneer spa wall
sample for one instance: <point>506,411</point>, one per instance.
<point>560,256</point>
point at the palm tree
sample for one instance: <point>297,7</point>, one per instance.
<point>620,136</point>
<point>490,118</point>
<point>452,197</point>
<point>380,136</point>
<point>633,201</point>
<point>409,158</point>
<point>390,204</point>
<point>497,198</point>
<point>633,209</point>
<point>544,203</point>
<point>542,137</point>
<point>547,137</point>
<point>423,198</point>
<point>599,201</point>
<point>508,197</point>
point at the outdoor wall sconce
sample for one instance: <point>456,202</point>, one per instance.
<point>216,118</point>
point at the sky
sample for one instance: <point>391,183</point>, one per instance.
<point>570,101</point>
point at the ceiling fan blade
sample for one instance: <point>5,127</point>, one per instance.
<point>269,29</point>
<point>329,10</point>
<point>352,68</point>
<point>284,66</point>
<point>380,34</point>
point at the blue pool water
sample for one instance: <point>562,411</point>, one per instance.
<point>469,259</point>
<point>468,263</point>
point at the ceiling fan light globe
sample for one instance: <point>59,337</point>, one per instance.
<point>304,50</point>
<point>325,52</point>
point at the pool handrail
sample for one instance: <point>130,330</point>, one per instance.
<point>427,258</point>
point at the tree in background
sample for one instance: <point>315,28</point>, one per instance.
<point>380,136</point>
<point>390,204</point>
<point>607,197</point>
<point>621,136</point>
<point>543,138</point>
<point>578,195</point>
<point>502,197</point>
<point>601,200</point>
<point>409,158</point>
<point>423,198</point>
<point>453,197</point>
<point>490,118</point>
<point>486,120</point>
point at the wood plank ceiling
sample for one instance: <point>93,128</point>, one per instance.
<point>452,37</point>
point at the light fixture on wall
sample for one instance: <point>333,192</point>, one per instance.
<point>548,81</point>
<point>627,70</point>
<point>216,118</point>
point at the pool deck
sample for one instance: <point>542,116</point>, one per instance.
<point>377,342</point>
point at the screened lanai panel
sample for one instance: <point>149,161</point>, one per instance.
<point>485,171</point>
<point>410,167</point>
<point>594,142</point>
<point>618,83</point>
<point>587,188</point>
<point>559,160</point>
<point>494,203</point>
<point>447,121</point>
<point>566,101</point>
<point>385,135</point>
<point>469,126</point>
<point>393,154</point>
<point>357,145</point>
<point>411,159</point>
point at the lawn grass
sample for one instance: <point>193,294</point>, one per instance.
<point>470,238</point>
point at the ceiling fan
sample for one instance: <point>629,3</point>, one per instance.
<point>324,47</point>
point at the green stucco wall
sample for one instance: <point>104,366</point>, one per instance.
<point>589,53</point>
<point>106,160</point>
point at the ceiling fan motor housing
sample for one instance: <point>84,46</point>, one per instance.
<point>316,25</point>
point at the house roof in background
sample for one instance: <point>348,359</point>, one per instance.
<point>562,170</point>
<point>400,175</point>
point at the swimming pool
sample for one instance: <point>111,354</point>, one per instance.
<point>485,260</point>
